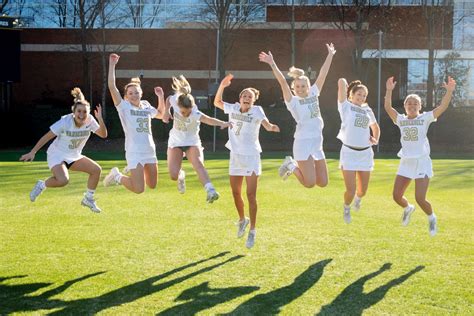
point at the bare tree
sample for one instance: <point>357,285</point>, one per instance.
<point>227,16</point>
<point>353,19</point>
<point>3,4</point>
<point>143,12</point>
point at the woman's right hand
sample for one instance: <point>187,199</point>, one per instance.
<point>167,116</point>
<point>266,58</point>
<point>227,80</point>
<point>113,59</point>
<point>391,84</point>
<point>28,157</point>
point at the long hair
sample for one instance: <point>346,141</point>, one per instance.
<point>79,99</point>
<point>181,85</point>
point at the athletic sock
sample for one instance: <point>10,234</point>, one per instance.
<point>42,184</point>
<point>90,193</point>
<point>432,216</point>
<point>208,186</point>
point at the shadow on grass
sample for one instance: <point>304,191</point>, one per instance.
<point>202,297</point>
<point>270,303</point>
<point>137,290</point>
<point>353,300</point>
<point>15,298</point>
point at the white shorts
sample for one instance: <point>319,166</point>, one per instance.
<point>355,160</point>
<point>244,165</point>
<point>133,159</point>
<point>185,148</point>
<point>304,148</point>
<point>415,168</point>
<point>55,159</point>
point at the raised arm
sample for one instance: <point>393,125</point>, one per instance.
<point>116,97</point>
<point>214,122</point>
<point>323,72</point>
<point>388,99</point>
<point>41,142</point>
<point>269,127</point>
<point>161,102</point>
<point>443,106</point>
<point>102,131</point>
<point>218,102</point>
<point>341,90</point>
<point>268,59</point>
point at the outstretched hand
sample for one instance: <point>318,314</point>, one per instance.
<point>391,84</point>
<point>28,157</point>
<point>159,92</point>
<point>113,59</point>
<point>450,85</point>
<point>226,125</point>
<point>266,58</point>
<point>331,49</point>
<point>98,112</point>
<point>227,80</point>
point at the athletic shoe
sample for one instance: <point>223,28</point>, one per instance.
<point>407,211</point>
<point>37,189</point>
<point>212,196</point>
<point>182,182</point>
<point>251,239</point>
<point>347,214</point>
<point>284,171</point>
<point>433,226</point>
<point>90,203</point>
<point>242,225</point>
<point>357,203</point>
<point>110,178</point>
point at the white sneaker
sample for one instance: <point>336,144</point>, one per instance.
<point>407,211</point>
<point>347,214</point>
<point>37,189</point>
<point>251,239</point>
<point>284,171</point>
<point>212,195</point>
<point>110,178</point>
<point>182,182</point>
<point>357,203</point>
<point>90,203</point>
<point>433,227</point>
<point>242,225</point>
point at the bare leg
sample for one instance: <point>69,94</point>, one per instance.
<point>60,177</point>
<point>91,167</point>
<point>306,173</point>
<point>252,182</point>
<point>421,188</point>
<point>195,158</point>
<point>321,171</point>
<point>236,186</point>
<point>136,181</point>
<point>399,188</point>
<point>150,171</point>
<point>350,183</point>
<point>175,159</point>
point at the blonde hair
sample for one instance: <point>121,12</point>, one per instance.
<point>79,99</point>
<point>134,82</point>
<point>181,85</point>
<point>298,74</point>
<point>253,90</point>
<point>354,86</point>
<point>412,96</point>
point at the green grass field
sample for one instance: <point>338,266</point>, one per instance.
<point>166,253</point>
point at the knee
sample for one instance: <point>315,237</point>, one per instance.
<point>322,183</point>
<point>97,170</point>
<point>63,181</point>
<point>309,185</point>
<point>252,197</point>
<point>420,199</point>
<point>139,190</point>
<point>174,176</point>
<point>396,196</point>
<point>350,191</point>
<point>152,186</point>
<point>362,193</point>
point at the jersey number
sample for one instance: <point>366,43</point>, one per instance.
<point>361,121</point>
<point>314,110</point>
<point>410,134</point>
<point>143,126</point>
<point>180,125</point>
<point>75,143</point>
<point>239,127</point>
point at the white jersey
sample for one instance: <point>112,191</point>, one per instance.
<point>305,111</point>
<point>355,122</point>
<point>185,131</point>
<point>243,136</point>
<point>413,135</point>
<point>136,124</point>
<point>70,139</point>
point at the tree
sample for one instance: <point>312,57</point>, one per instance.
<point>227,16</point>
<point>353,20</point>
<point>452,66</point>
<point>143,12</point>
